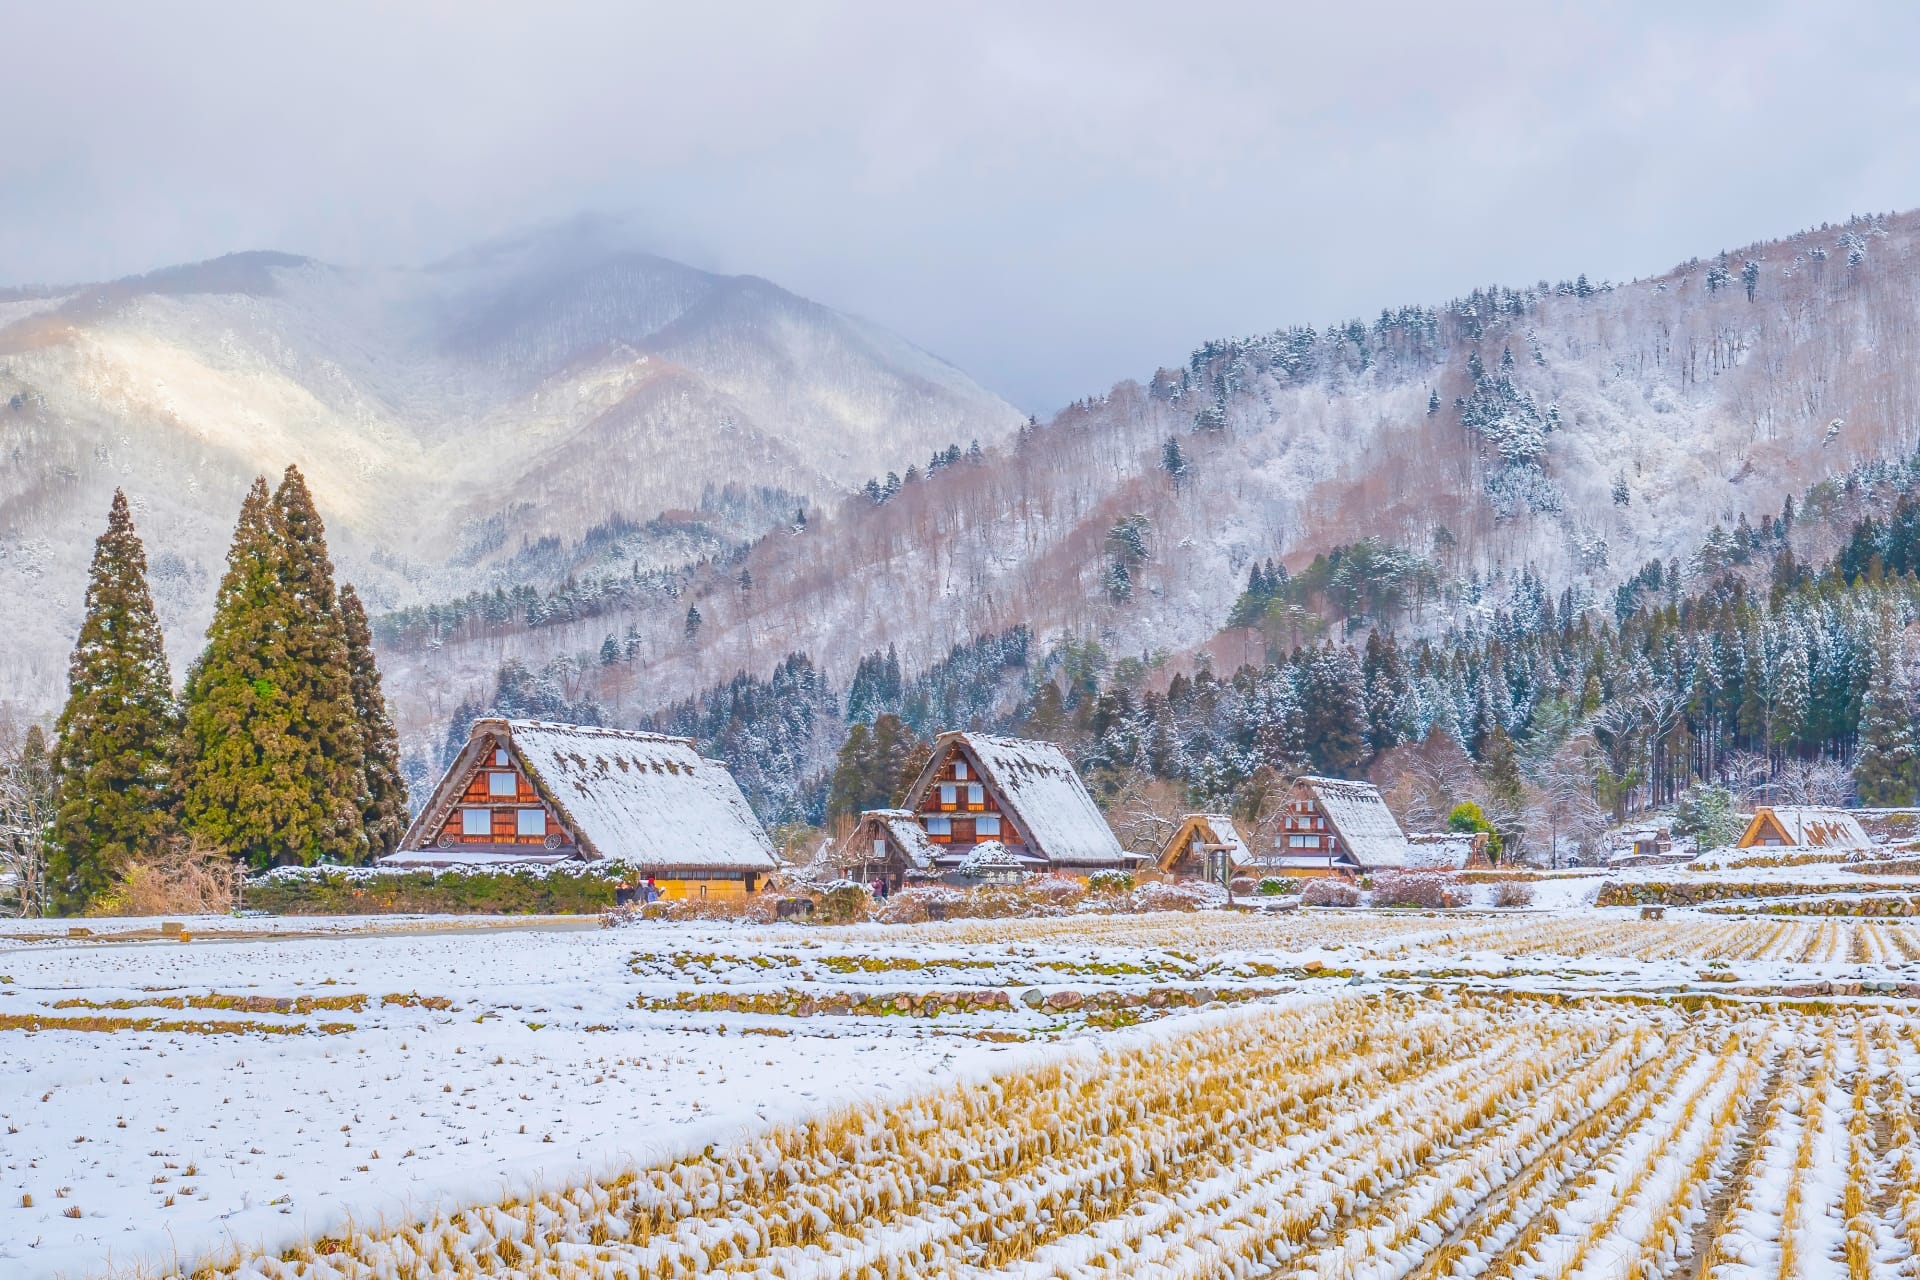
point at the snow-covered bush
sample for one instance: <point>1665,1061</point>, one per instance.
<point>1110,882</point>
<point>1271,886</point>
<point>1328,892</point>
<point>1411,889</point>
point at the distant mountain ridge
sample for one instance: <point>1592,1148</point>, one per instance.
<point>1569,431</point>
<point>525,392</point>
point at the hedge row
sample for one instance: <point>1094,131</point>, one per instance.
<point>346,891</point>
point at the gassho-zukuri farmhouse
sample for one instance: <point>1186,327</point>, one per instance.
<point>984,809</point>
<point>531,792</point>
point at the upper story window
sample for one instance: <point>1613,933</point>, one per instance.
<point>949,794</point>
<point>532,822</point>
<point>502,784</point>
<point>960,770</point>
<point>500,756</point>
<point>476,822</point>
<point>939,826</point>
<point>987,824</point>
<point>976,795</point>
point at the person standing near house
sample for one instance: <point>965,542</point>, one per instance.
<point>651,892</point>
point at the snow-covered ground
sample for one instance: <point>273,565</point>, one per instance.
<point>270,1081</point>
<point>537,1071</point>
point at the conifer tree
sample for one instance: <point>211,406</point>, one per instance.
<point>1886,769</point>
<point>385,785</point>
<point>328,757</point>
<point>272,767</point>
<point>116,733</point>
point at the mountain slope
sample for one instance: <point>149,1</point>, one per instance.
<point>1577,430</point>
<point>521,394</point>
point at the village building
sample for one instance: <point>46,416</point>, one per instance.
<point>1021,797</point>
<point>1803,827</point>
<point>888,846</point>
<point>529,792</point>
<point>1206,846</point>
<point>1332,827</point>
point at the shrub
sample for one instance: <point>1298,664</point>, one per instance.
<point>844,903</point>
<point>331,891</point>
<point>1513,893</point>
<point>179,878</point>
<point>1271,885</point>
<point>1110,882</point>
<point>1328,892</point>
<point>1407,889</point>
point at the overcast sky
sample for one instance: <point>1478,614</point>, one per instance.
<point>1051,196</point>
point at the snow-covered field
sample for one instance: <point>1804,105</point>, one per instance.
<point>1346,1093</point>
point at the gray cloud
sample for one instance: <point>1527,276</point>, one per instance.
<point>1053,197</point>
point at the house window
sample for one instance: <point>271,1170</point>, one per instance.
<point>501,784</point>
<point>940,826</point>
<point>1303,842</point>
<point>532,822</point>
<point>500,756</point>
<point>949,795</point>
<point>976,795</point>
<point>960,770</point>
<point>880,850</point>
<point>476,822</point>
<point>987,824</point>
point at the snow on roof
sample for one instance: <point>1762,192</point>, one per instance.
<point>1439,850</point>
<point>1817,827</point>
<point>1365,825</point>
<point>905,829</point>
<point>1042,794</point>
<point>643,799</point>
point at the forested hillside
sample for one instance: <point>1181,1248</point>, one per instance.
<point>1572,431</point>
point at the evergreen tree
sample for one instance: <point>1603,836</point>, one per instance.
<point>116,733</point>
<point>692,629</point>
<point>384,783</point>
<point>329,757</point>
<point>1172,460</point>
<point>272,766</point>
<point>1333,705</point>
<point>1886,769</point>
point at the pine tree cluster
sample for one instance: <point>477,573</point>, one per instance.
<point>279,748</point>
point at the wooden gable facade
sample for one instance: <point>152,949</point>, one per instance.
<point>980,789</point>
<point>534,792</point>
<point>956,806</point>
<point>1336,827</point>
<point>495,806</point>
<point>887,846</point>
<point>1202,845</point>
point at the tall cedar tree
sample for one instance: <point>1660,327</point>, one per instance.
<point>385,787</point>
<point>272,767</point>
<point>1886,769</point>
<point>330,758</point>
<point>116,732</point>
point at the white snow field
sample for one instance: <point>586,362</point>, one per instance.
<point>1375,1094</point>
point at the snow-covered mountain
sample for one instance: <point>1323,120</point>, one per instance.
<point>460,424</point>
<point>1579,429</point>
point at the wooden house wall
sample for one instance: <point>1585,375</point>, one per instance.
<point>962,813</point>
<point>505,810</point>
<point>1305,829</point>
